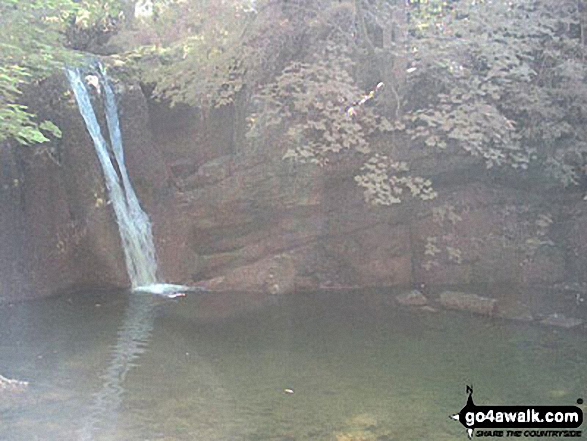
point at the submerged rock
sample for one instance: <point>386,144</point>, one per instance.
<point>468,302</point>
<point>412,298</point>
<point>515,311</point>
<point>561,321</point>
<point>363,427</point>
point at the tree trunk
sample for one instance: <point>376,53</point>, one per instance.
<point>393,58</point>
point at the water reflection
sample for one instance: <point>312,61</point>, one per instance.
<point>132,340</point>
<point>216,367</point>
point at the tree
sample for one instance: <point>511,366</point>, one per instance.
<point>36,41</point>
<point>501,81</point>
<point>505,82</point>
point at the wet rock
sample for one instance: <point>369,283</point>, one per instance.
<point>273,275</point>
<point>546,267</point>
<point>561,321</point>
<point>377,255</point>
<point>211,172</point>
<point>412,298</point>
<point>468,302</point>
<point>363,427</point>
<point>482,244</point>
<point>183,168</point>
<point>329,285</point>
<point>557,394</point>
<point>306,283</point>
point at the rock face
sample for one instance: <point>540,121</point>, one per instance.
<point>57,231</point>
<point>273,275</point>
<point>244,219</point>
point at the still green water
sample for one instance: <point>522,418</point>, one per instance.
<point>222,367</point>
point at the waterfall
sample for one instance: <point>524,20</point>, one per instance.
<point>137,242</point>
<point>133,222</point>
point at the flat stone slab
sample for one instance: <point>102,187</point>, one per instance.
<point>468,302</point>
<point>561,321</point>
<point>412,298</point>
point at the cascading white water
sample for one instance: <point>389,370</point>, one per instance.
<point>139,250</point>
<point>133,223</point>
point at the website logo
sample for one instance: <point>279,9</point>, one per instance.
<point>515,421</point>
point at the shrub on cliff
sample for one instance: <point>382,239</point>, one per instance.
<point>500,81</point>
<point>504,82</point>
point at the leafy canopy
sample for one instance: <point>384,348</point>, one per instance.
<point>498,80</point>
<point>34,43</point>
<point>502,81</point>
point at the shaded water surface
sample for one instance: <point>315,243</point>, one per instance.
<point>223,367</point>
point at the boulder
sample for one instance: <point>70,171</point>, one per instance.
<point>412,298</point>
<point>561,321</point>
<point>273,275</point>
<point>468,302</point>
